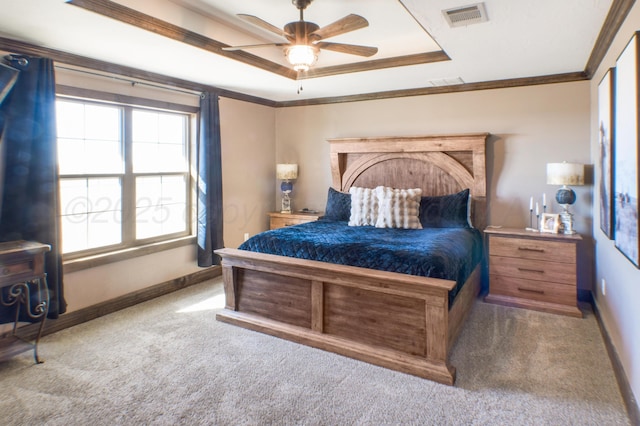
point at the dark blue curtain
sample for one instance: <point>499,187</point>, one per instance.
<point>209,181</point>
<point>30,180</point>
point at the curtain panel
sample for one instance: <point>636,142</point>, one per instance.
<point>210,223</point>
<point>30,194</point>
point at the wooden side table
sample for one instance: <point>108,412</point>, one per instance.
<point>23,284</point>
<point>280,220</point>
<point>533,270</point>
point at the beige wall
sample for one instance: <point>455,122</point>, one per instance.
<point>619,307</point>
<point>530,126</point>
<point>248,168</point>
<point>91,286</point>
<point>248,151</point>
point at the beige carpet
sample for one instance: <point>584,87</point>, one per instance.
<point>169,362</point>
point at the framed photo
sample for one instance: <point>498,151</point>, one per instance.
<point>550,223</point>
<point>625,154</point>
<point>606,114</point>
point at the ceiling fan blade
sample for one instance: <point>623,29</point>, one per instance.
<point>263,24</point>
<point>348,23</point>
<point>253,46</point>
<point>351,49</point>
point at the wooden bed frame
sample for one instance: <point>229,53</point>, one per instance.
<point>394,320</point>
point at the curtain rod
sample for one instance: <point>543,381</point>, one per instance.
<point>132,82</point>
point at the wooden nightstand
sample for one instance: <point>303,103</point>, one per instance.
<point>533,270</point>
<point>280,220</point>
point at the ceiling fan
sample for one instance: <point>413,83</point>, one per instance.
<point>305,39</point>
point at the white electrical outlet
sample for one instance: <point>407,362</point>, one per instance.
<point>603,287</point>
<point>246,236</point>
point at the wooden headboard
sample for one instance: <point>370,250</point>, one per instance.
<point>439,165</point>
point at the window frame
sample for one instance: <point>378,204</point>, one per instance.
<point>130,246</point>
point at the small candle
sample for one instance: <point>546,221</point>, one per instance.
<point>544,200</point>
<point>531,204</point>
<point>537,210</point>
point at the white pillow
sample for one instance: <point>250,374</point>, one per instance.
<point>364,206</point>
<point>398,208</point>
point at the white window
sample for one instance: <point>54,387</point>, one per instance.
<point>124,175</point>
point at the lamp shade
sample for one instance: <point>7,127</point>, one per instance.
<point>287,171</point>
<point>565,174</point>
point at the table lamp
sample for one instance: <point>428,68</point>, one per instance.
<point>565,174</point>
<point>286,173</point>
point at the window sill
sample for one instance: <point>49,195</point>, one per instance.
<point>125,254</point>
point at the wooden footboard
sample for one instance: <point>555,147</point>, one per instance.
<point>397,321</point>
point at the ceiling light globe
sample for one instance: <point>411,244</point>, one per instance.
<point>302,56</point>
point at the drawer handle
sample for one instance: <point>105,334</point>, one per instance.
<point>531,290</point>
<point>531,249</point>
<point>537,271</point>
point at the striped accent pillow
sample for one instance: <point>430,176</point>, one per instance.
<point>398,208</point>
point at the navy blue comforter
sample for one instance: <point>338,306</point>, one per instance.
<point>447,253</point>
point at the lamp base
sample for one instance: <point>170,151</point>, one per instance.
<point>286,202</point>
<point>566,223</point>
<point>565,195</point>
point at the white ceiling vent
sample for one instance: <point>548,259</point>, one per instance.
<point>466,15</point>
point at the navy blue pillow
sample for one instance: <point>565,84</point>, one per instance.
<point>445,211</point>
<point>338,205</point>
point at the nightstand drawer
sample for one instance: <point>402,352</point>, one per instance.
<point>533,290</point>
<point>528,269</point>
<point>532,249</point>
<point>280,222</point>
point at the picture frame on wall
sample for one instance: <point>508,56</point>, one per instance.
<point>606,114</point>
<point>625,157</point>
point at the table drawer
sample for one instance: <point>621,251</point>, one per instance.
<point>533,290</point>
<point>529,248</point>
<point>528,269</point>
<point>10,272</point>
<point>281,222</point>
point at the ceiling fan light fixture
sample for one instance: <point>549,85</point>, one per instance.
<point>302,56</point>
